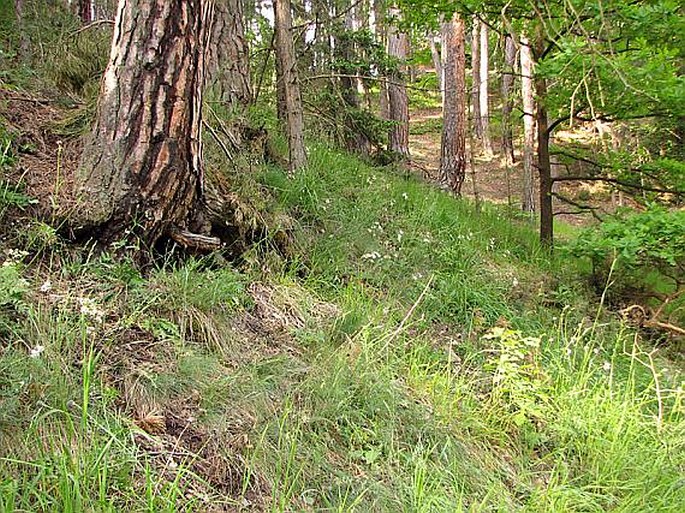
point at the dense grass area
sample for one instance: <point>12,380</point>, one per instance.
<point>412,354</point>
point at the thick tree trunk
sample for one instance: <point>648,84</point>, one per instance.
<point>228,64</point>
<point>398,46</point>
<point>285,54</point>
<point>140,170</point>
<point>453,147</point>
<point>484,90</point>
<point>528,192</point>
<point>507,103</point>
<point>475,79</point>
<point>544,163</point>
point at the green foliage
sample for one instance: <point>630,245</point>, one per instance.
<point>653,239</point>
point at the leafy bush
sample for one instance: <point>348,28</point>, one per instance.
<point>653,239</point>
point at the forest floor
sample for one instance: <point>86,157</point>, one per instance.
<point>382,347</point>
<point>410,354</point>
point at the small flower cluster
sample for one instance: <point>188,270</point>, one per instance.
<point>89,308</point>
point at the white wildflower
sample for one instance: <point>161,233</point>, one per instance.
<point>606,366</point>
<point>90,308</point>
<point>36,351</point>
<point>514,283</point>
<point>405,196</point>
<point>374,255</point>
<point>46,287</point>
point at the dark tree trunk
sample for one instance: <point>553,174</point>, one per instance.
<point>453,147</point>
<point>228,64</point>
<point>287,66</point>
<point>544,163</point>
<point>507,103</point>
<point>85,11</point>
<point>140,170</point>
<point>398,46</point>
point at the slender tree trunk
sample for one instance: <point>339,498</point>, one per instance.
<point>228,66</point>
<point>437,64</point>
<point>528,192</point>
<point>398,45</point>
<point>507,103</point>
<point>382,38</point>
<point>484,90</point>
<point>140,169</point>
<point>24,42</point>
<point>285,54</point>
<point>544,163</point>
<point>475,79</point>
<point>453,147</point>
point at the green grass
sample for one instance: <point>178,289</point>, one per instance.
<point>412,355</point>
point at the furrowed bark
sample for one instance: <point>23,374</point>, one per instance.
<point>140,170</point>
<point>287,67</point>
<point>398,46</point>
<point>453,146</point>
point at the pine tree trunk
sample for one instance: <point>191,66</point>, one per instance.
<point>453,146</point>
<point>285,54</point>
<point>507,103</point>
<point>228,65</point>
<point>398,45</point>
<point>528,192</point>
<point>140,170</point>
<point>475,79</point>
<point>484,90</point>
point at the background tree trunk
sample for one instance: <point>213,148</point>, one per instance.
<point>24,41</point>
<point>453,146</point>
<point>475,79</point>
<point>484,90</point>
<point>507,103</point>
<point>355,138</point>
<point>398,46</point>
<point>228,65</point>
<point>285,54</point>
<point>437,63</point>
<point>140,169</point>
<point>528,192</point>
<point>381,37</point>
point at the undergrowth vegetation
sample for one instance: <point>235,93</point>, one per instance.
<point>411,354</point>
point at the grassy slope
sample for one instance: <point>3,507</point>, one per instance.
<point>414,355</point>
